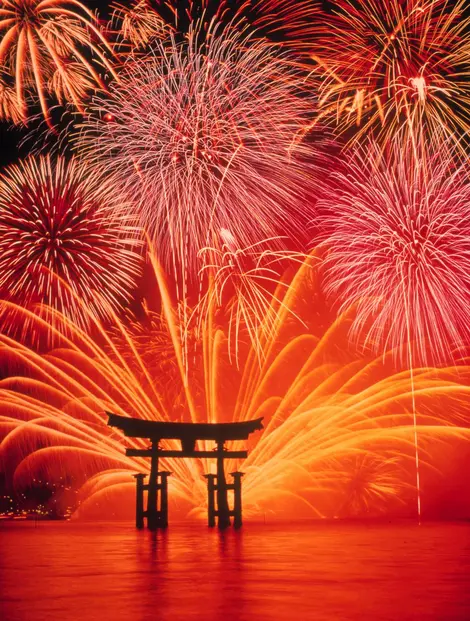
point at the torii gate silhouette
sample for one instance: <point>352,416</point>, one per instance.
<point>156,511</point>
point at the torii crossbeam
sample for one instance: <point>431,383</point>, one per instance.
<point>188,433</point>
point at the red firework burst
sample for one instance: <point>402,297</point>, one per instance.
<point>394,65</point>
<point>65,240</point>
<point>398,245</point>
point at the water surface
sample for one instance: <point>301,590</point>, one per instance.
<point>322,571</point>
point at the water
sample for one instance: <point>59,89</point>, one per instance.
<point>322,571</point>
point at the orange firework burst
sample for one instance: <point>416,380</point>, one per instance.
<point>337,437</point>
<point>43,41</point>
<point>59,245</point>
<point>388,65</point>
<point>139,23</point>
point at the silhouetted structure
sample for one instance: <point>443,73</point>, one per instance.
<point>188,434</point>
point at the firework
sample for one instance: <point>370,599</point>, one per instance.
<point>337,435</point>
<point>59,245</point>
<point>42,39</point>
<point>393,65</point>
<point>204,137</point>
<point>397,232</point>
<point>279,20</point>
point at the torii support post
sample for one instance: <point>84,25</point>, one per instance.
<point>237,498</point>
<point>211,486</point>
<point>223,511</point>
<point>139,500</point>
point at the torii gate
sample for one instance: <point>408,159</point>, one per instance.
<point>188,433</point>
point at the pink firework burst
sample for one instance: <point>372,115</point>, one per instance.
<point>204,136</point>
<point>65,240</point>
<point>397,235</point>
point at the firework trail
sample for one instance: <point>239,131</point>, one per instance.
<point>337,436</point>
<point>202,137</point>
<point>62,241</point>
<point>45,47</point>
<point>388,66</point>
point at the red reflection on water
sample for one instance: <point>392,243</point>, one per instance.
<point>323,571</point>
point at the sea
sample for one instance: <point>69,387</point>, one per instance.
<point>72,571</point>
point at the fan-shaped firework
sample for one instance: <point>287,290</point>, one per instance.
<point>42,37</point>
<point>398,240</point>
<point>337,434</point>
<point>202,136</point>
<point>58,243</point>
<point>393,64</point>
<point>246,282</point>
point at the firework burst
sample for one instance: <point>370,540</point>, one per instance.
<point>10,109</point>
<point>59,244</point>
<point>393,65</point>
<point>201,136</point>
<point>43,41</point>
<point>397,233</point>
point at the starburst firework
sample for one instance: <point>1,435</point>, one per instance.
<point>59,244</point>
